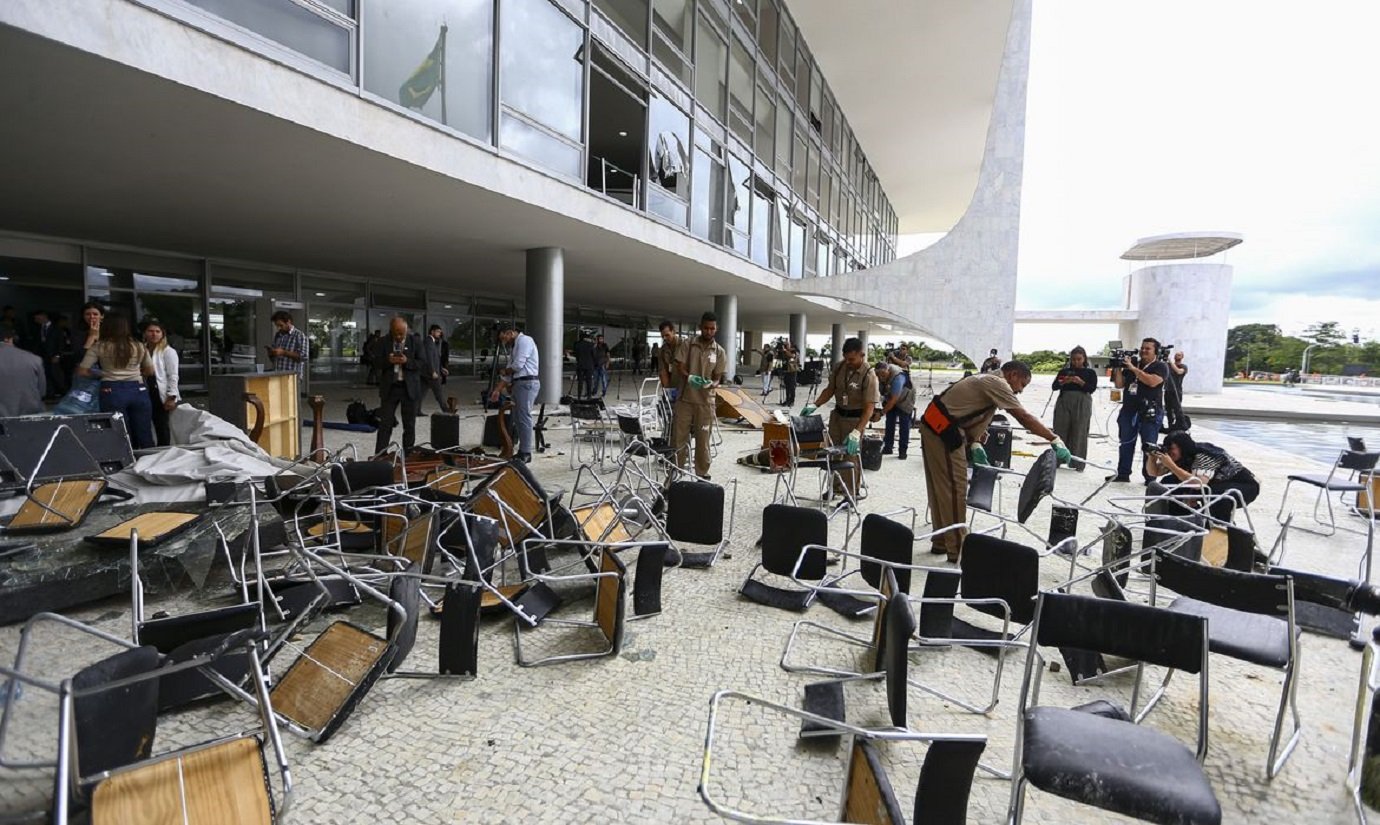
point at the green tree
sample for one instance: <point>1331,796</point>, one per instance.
<point>1326,333</point>
<point>1248,346</point>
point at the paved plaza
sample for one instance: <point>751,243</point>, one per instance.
<point>621,739</point>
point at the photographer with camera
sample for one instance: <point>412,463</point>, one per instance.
<point>1141,380</point>
<point>1183,461</point>
<point>1174,418</point>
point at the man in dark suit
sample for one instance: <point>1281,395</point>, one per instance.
<point>584,366</point>
<point>398,360</point>
<point>436,358</point>
<point>47,340</point>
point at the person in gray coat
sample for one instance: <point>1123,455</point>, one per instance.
<point>21,374</point>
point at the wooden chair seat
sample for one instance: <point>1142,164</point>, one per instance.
<point>226,783</point>
<point>322,687</point>
<point>57,505</point>
<point>601,522</point>
<point>322,528</point>
<point>488,601</point>
<point>153,528</point>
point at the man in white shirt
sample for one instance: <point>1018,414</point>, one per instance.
<point>522,378</point>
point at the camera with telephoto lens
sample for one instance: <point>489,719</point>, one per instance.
<point>1117,356</point>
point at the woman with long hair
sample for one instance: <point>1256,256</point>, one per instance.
<point>1075,384</point>
<point>123,364</point>
<point>1181,460</point>
<point>163,390</point>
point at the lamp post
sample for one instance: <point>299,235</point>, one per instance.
<point>1304,369</point>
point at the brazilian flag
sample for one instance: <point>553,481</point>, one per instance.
<point>427,78</point>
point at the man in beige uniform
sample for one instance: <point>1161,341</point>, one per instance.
<point>971,403</point>
<point>671,381</point>
<point>853,386</point>
<point>700,363</point>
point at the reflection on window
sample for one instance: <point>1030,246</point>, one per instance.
<point>766,125</point>
<point>779,221</point>
<point>767,25</point>
<point>711,69</point>
<point>797,256</point>
<point>290,24</point>
<point>707,219</point>
<point>823,258</point>
<point>538,146</point>
<point>628,15</point>
<point>671,19</point>
<point>740,91</point>
<point>542,54</point>
<point>434,57</point>
<point>669,163</point>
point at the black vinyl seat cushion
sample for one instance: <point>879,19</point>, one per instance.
<point>778,597</point>
<point>1116,766</point>
<point>824,464</point>
<point>1250,637</point>
<point>1336,485</point>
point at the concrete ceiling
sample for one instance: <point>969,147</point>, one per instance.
<point>101,152</point>
<point>916,80</point>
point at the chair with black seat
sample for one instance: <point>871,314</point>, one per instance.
<point>866,795</point>
<point>1250,618</point>
<point>793,540</point>
<point>590,431</point>
<point>107,771</point>
<point>610,597</point>
<point>1349,474</point>
<point>695,516</point>
<point>882,540</point>
<point>1095,754</point>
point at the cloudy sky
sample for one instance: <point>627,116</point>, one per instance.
<point>1260,117</point>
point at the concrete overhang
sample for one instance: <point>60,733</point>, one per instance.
<point>917,80</point>
<point>1075,316</point>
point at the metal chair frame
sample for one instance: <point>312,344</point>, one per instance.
<point>1030,695</point>
<point>835,726</point>
<point>1358,466</point>
<point>598,576</point>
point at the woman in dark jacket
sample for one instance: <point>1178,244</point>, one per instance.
<point>1182,460</point>
<point>1075,384</point>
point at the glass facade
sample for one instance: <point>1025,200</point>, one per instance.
<point>773,172</point>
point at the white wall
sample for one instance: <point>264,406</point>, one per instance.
<point>1187,305</point>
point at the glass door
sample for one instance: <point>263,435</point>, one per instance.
<point>335,335</point>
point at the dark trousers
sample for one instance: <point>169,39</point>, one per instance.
<point>897,418</point>
<point>160,415</point>
<point>432,385</point>
<point>57,378</point>
<point>1133,426</point>
<point>584,383</point>
<point>1222,510</point>
<point>788,381</point>
<point>396,396</point>
<point>130,399</point>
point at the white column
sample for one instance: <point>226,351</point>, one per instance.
<point>545,315</point>
<point>836,350</point>
<point>862,336</point>
<point>726,307</point>
<point>798,333</point>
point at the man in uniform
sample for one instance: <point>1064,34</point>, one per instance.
<point>853,386</point>
<point>671,382</point>
<point>700,364</point>
<point>970,404</point>
<point>792,372</point>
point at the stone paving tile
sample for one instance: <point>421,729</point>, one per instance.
<point>621,739</point>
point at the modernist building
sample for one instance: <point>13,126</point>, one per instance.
<point>596,163</point>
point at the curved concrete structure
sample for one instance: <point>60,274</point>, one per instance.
<point>962,289</point>
<point>1187,305</point>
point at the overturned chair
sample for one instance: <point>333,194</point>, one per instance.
<point>793,546</point>
<point>866,795</point>
<point>609,576</point>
